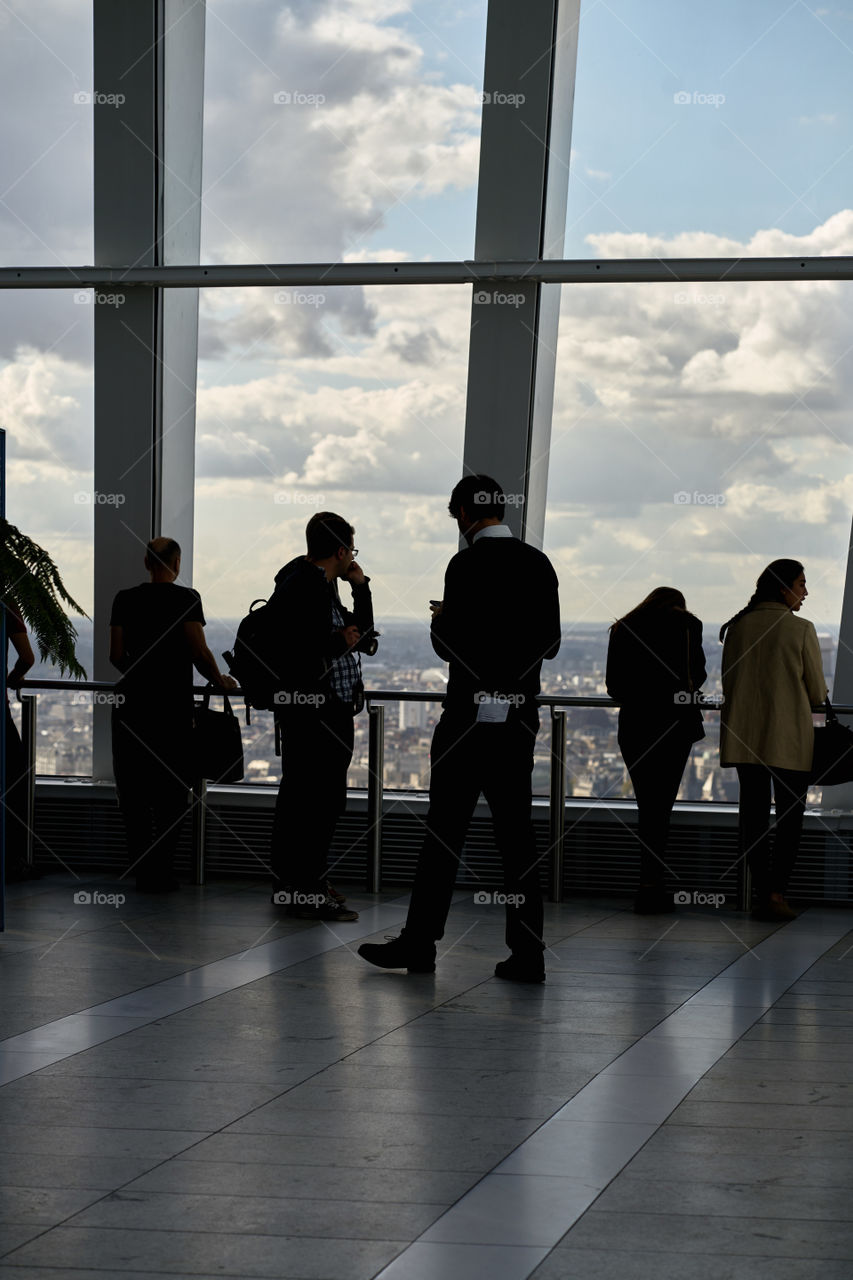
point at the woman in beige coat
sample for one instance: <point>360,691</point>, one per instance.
<point>772,674</point>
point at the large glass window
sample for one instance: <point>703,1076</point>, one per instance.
<point>709,130</point>
<point>350,132</point>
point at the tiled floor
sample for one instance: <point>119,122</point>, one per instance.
<point>196,1087</point>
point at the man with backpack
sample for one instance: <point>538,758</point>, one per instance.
<point>319,692</point>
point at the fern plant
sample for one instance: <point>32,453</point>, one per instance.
<point>30,580</point>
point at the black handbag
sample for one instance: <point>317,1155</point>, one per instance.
<point>219,743</point>
<point>833,752</point>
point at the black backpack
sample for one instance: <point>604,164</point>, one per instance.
<point>255,658</point>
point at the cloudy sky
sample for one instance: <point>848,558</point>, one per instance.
<point>698,131</point>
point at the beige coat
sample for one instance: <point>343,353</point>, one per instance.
<point>772,673</point>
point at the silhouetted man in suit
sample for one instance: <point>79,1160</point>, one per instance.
<point>499,618</point>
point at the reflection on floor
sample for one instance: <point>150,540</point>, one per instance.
<point>196,1086</point>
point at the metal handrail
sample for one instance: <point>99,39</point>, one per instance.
<point>558,704</point>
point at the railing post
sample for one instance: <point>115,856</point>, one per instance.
<point>375,775</point>
<point>557,813</point>
<point>199,809</point>
<point>29,719</point>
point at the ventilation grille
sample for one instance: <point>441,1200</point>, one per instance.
<point>600,856</point>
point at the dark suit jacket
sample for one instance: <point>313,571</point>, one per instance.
<point>500,618</point>
<point>303,603</point>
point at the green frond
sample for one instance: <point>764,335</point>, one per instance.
<point>30,580</point>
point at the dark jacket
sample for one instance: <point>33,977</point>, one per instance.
<point>655,665</point>
<point>303,602</point>
<point>500,618</point>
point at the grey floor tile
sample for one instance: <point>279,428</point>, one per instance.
<point>686,1236</point>
<point>41,1206</point>
<point>606,1264</point>
<point>98,1173</point>
<point>67,1140</point>
<point>585,1150</point>
<point>731,1199</point>
<point>473,1262</point>
<point>404,1147</point>
<point>200,1253</point>
<point>12,1235</point>
<point>134,1210</point>
<point>764,1116</point>
<point>507,1209</point>
<point>287,1181</point>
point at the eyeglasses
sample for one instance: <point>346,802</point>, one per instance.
<point>354,551</point>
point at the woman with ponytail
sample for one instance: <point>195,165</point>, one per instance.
<point>655,668</point>
<point>772,675</point>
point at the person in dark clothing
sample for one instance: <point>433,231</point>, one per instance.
<point>499,618</point>
<point>321,692</point>
<point>655,669</point>
<point>156,637</point>
<point>15,796</point>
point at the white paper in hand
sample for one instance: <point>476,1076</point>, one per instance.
<point>492,710</point>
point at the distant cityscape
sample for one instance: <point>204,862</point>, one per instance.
<point>406,661</point>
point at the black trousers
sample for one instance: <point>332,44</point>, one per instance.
<point>497,760</point>
<point>316,750</point>
<point>771,864</point>
<point>15,800</point>
<point>153,769</point>
<point>655,756</point>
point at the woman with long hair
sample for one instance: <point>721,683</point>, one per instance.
<point>655,668</point>
<point>772,675</point>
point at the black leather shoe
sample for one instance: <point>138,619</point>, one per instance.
<point>515,970</point>
<point>400,953</point>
